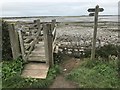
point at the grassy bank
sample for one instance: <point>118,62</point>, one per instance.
<point>96,74</point>
<point>11,78</point>
<point>0,75</point>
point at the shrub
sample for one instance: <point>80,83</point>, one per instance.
<point>58,57</point>
<point>11,69</point>
<point>6,47</point>
<point>11,76</point>
<point>104,51</point>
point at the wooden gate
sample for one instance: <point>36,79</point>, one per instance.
<point>35,39</point>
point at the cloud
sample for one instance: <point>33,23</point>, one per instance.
<point>60,8</point>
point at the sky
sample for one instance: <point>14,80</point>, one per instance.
<point>14,8</point>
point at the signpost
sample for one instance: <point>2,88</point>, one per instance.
<point>96,10</point>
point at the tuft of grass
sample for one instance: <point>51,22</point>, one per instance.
<point>11,77</point>
<point>96,74</point>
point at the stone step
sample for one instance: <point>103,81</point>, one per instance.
<point>35,70</point>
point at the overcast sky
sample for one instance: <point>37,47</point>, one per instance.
<point>55,7</point>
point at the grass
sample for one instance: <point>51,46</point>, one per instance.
<point>11,76</point>
<point>0,75</point>
<point>96,74</point>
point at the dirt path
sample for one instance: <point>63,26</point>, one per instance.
<point>61,82</point>
<point>66,67</point>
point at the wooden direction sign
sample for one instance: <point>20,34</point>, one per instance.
<point>91,14</point>
<point>93,10</point>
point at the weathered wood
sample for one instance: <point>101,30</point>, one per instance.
<point>31,47</point>
<point>0,40</point>
<point>50,43</point>
<point>35,70</point>
<point>93,9</point>
<point>22,44</point>
<point>53,24</point>
<point>35,40</point>
<point>54,39</point>
<point>95,33</point>
<point>14,41</point>
<point>45,33</point>
<point>48,39</point>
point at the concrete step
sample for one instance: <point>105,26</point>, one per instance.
<point>35,70</point>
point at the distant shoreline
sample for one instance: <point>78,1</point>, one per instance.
<point>48,16</point>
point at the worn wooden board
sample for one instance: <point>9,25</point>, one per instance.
<point>35,70</point>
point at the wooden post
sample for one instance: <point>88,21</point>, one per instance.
<point>38,24</point>
<point>45,33</point>
<point>48,44</point>
<point>14,41</point>
<point>22,45</point>
<point>53,24</point>
<point>0,40</point>
<point>95,33</point>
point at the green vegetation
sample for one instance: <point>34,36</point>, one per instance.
<point>104,51</point>
<point>11,76</point>
<point>96,74</point>
<point>6,46</point>
<point>0,75</point>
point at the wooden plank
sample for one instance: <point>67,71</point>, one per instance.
<point>35,70</point>
<point>37,58</point>
<point>14,41</point>
<point>95,33</point>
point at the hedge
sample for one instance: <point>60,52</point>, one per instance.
<point>6,47</point>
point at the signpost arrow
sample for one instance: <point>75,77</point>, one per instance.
<point>91,14</point>
<point>93,10</point>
